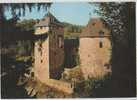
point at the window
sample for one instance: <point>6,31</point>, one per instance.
<point>107,66</point>
<point>60,41</point>
<point>101,33</point>
<point>32,74</point>
<point>40,47</point>
<point>93,24</point>
<point>100,44</point>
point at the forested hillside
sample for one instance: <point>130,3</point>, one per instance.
<point>70,30</point>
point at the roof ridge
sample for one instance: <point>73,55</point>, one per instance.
<point>94,26</point>
<point>46,20</point>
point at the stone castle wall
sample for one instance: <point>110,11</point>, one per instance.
<point>56,53</point>
<point>93,59</point>
<point>41,65</point>
<point>49,56</point>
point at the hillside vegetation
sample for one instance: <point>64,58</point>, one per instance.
<point>69,28</point>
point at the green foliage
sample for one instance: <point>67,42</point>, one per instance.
<point>24,47</point>
<point>121,19</point>
<point>88,88</point>
<point>23,58</point>
<point>70,29</point>
<point>19,9</point>
<point>26,24</point>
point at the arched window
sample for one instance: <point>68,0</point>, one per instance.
<point>100,44</point>
<point>60,41</point>
<point>101,34</point>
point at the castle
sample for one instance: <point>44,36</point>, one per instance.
<point>95,48</point>
<point>94,51</point>
<point>49,48</point>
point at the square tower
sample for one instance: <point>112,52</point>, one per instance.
<point>49,48</point>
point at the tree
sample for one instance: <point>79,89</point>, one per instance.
<point>118,16</point>
<point>121,19</point>
<point>27,24</point>
<point>19,9</point>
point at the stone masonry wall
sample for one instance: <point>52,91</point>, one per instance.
<point>93,58</point>
<point>56,53</point>
<point>41,65</point>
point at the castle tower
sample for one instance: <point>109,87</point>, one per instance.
<point>49,48</point>
<point>95,48</point>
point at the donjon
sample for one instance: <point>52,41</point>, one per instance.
<point>48,48</point>
<point>95,48</point>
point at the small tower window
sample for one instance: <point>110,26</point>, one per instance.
<point>93,24</point>
<point>101,34</point>
<point>32,74</point>
<point>60,43</point>
<point>100,44</point>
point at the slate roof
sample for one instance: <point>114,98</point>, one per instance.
<point>94,27</point>
<point>48,19</point>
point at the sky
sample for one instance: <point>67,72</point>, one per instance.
<point>74,13</point>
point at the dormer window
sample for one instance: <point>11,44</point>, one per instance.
<point>60,41</point>
<point>93,24</point>
<point>101,33</point>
